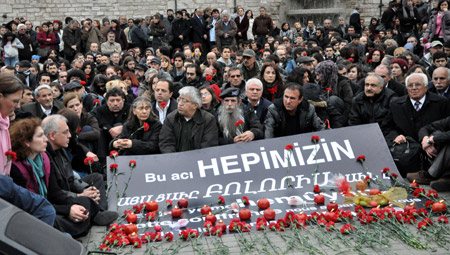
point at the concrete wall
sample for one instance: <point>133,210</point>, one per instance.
<point>39,11</point>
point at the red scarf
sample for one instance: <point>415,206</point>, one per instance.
<point>273,90</point>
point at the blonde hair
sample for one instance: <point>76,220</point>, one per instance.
<point>399,51</point>
<point>114,84</point>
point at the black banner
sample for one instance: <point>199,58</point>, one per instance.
<point>260,169</point>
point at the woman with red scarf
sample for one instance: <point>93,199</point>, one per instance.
<point>272,82</point>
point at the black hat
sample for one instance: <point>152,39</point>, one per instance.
<point>230,92</point>
<point>72,86</point>
<point>141,67</point>
<point>156,60</point>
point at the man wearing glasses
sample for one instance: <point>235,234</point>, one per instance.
<point>235,81</point>
<point>409,113</point>
<point>189,127</point>
<point>192,76</point>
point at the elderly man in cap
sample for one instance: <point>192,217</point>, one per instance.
<point>110,46</point>
<point>250,67</point>
<point>44,105</point>
<point>139,71</point>
<point>155,63</point>
<point>226,30</point>
<point>306,62</point>
<point>189,127</point>
<point>291,114</point>
<point>235,124</point>
<point>427,59</point>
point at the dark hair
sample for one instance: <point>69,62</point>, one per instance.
<point>214,100</point>
<point>5,37</point>
<point>277,73</point>
<point>73,121</point>
<point>179,55</point>
<point>76,73</point>
<point>114,92</point>
<point>297,75</point>
<point>247,13</point>
<point>295,86</point>
<point>439,54</point>
<point>99,78</point>
<point>440,3</point>
<point>22,131</point>
<point>198,71</point>
<point>169,82</point>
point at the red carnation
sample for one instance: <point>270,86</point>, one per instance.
<point>89,161</point>
<point>11,155</point>
<point>425,40</point>
<point>208,77</point>
<point>168,237</point>
<point>113,154</point>
<point>351,60</point>
<point>305,54</point>
<point>214,71</point>
<point>97,102</point>
<point>113,166</point>
<point>49,36</point>
<point>221,200</point>
<point>261,50</point>
<point>83,83</point>
<point>315,138</point>
<point>370,61</point>
<point>385,170</point>
<point>328,90</point>
<point>289,147</point>
<point>132,163</point>
<point>146,126</point>
<point>316,188</point>
<point>163,104</point>
<point>239,123</point>
<point>361,158</point>
<point>87,76</point>
<point>169,202</point>
<point>245,200</point>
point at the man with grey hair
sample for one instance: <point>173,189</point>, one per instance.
<point>385,72</point>
<point>409,113</point>
<point>372,106</point>
<point>25,39</point>
<point>92,186</point>
<point>226,30</point>
<point>254,100</point>
<point>189,127</point>
<point>44,105</point>
<point>440,82</point>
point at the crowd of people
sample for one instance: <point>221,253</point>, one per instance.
<point>73,90</point>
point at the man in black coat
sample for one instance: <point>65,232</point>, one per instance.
<point>199,29</point>
<point>180,31</point>
<point>409,113</point>
<point>230,114</point>
<point>27,51</point>
<point>388,17</point>
<point>355,19</point>
<point>71,39</point>
<point>138,38</point>
<point>371,106</point>
<point>440,82</point>
<point>193,76</point>
<point>111,117</point>
<point>435,138</point>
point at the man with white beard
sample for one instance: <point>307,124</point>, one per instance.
<point>237,125</point>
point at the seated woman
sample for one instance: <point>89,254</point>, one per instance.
<point>88,131</point>
<point>272,82</point>
<point>32,170</point>
<point>136,138</point>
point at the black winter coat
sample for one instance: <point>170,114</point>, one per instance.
<point>143,142</point>
<point>364,112</point>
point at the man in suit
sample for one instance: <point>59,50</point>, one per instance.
<point>355,19</point>
<point>164,103</point>
<point>409,113</point>
<point>199,30</point>
<point>44,105</point>
<point>440,82</point>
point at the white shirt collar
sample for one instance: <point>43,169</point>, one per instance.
<point>162,112</point>
<point>422,101</point>
<point>47,112</point>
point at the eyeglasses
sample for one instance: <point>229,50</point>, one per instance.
<point>184,100</point>
<point>205,94</point>
<point>235,76</point>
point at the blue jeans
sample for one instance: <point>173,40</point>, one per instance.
<point>26,200</point>
<point>11,61</point>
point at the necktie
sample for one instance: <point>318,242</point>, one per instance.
<point>417,105</point>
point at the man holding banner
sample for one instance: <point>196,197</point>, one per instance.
<point>189,127</point>
<point>291,115</point>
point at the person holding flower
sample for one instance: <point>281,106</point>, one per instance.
<point>140,133</point>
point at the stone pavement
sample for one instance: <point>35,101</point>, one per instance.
<point>319,241</point>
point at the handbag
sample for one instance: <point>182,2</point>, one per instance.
<point>406,156</point>
<point>43,52</point>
